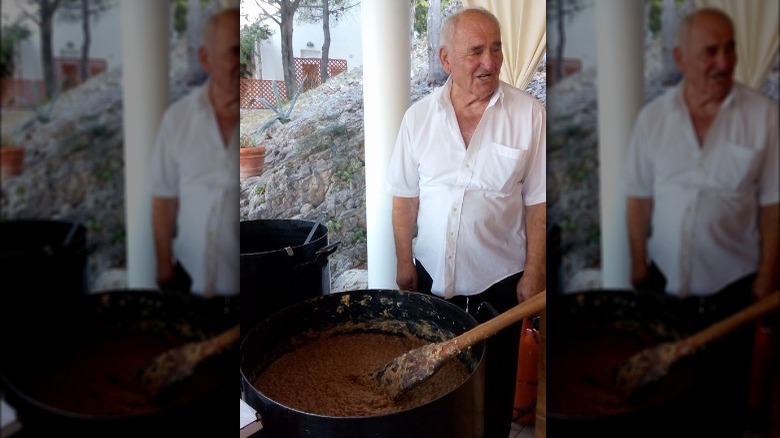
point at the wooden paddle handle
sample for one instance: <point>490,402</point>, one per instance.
<point>224,339</point>
<point>754,311</point>
<point>483,331</point>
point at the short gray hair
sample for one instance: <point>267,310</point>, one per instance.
<point>451,22</point>
<point>211,23</point>
<point>684,28</point>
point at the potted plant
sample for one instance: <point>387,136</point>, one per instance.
<point>252,157</point>
<point>11,157</point>
<point>11,148</point>
<point>252,153</point>
<point>11,35</point>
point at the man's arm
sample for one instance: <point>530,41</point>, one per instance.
<point>164,227</point>
<point>768,275</point>
<point>534,277</point>
<point>404,222</point>
<point>638,213</point>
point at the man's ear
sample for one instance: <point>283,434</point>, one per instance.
<point>445,59</point>
<point>678,58</point>
<point>203,57</point>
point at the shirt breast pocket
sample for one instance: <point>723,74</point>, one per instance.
<point>733,167</point>
<point>498,168</point>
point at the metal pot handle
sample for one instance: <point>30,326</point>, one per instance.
<point>323,253</point>
<point>485,306</point>
<point>321,256</point>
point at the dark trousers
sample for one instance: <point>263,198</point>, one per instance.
<point>725,363</point>
<point>501,348</point>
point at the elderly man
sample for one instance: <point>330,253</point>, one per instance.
<point>702,185</point>
<point>194,173</point>
<point>467,177</point>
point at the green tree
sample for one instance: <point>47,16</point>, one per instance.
<point>180,17</point>
<point>10,36</point>
<point>251,35</point>
<point>420,22</point>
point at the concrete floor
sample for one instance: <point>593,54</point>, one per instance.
<point>522,431</point>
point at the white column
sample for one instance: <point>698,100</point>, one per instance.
<point>386,83</point>
<point>620,47</point>
<point>145,97</point>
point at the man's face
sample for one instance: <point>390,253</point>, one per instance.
<point>708,56</point>
<point>474,56</point>
<point>220,57</point>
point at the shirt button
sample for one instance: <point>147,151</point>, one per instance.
<point>468,165</point>
<point>454,209</point>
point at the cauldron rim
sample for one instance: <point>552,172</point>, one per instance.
<point>315,243</point>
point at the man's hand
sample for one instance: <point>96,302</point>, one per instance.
<point>166,275</point>
<point>763,285</point>
<point>406,277</point>
<point>404,221</point>
<point>640,273</point>
<point>529,285</point>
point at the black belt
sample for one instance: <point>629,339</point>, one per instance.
<point>725,302</point>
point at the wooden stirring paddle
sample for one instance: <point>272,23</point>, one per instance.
<point>415,366</point>
<point>179,363</point>
<point>653,363</point>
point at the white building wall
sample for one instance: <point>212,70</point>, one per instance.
<point>580,37</point>
<point>106,40</point>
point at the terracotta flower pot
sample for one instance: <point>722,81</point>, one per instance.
<point>252,160</point>
<point>11,161</point>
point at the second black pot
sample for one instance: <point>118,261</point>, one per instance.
<point>282,262</point>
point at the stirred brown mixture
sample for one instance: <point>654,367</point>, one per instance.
<point>329,376</point>
<point>581,375</point>
<point>98,376</point>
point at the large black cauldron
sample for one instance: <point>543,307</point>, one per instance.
<point>205,403</point>
<point>580,325</point>
<point>456,414</point>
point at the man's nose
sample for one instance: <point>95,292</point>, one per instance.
<point>724,60</point>
<point>490,60</point>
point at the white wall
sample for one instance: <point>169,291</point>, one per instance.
<point>105,40</point>
<point>580,37</point>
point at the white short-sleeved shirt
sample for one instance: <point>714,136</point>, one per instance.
<point>471,219</point>
<point>705,223</point>
<point>191,163</point>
